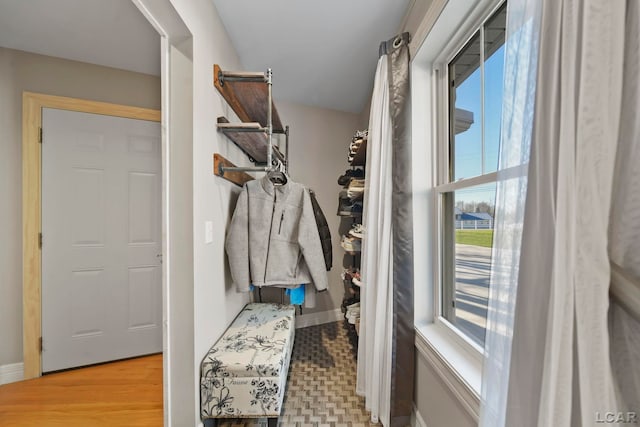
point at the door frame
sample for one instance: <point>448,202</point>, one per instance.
<point>32,105</point>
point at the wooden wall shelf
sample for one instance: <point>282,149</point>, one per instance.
<point>247,99</point>
<point>251,140</point>
<point>238,178</point>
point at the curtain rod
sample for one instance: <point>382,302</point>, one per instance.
<point>625,290</point>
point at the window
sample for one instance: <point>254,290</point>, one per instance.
<point>467,176</point>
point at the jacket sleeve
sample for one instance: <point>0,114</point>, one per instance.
<point>323,231</point>
<point>309,241</point>
<point>237,243</point>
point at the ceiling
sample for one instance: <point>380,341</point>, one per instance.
<point>111,33</point>
<point>322,53</point>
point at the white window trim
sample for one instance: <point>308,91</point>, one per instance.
<point>455,357</point>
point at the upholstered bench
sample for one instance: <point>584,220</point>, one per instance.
<point>245,373</point>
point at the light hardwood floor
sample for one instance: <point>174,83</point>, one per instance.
<point>119,394</point>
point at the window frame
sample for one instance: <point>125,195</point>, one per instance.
<point>446,27</point>
<point>443,181</point>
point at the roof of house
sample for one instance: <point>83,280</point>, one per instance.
<point>472,216</point>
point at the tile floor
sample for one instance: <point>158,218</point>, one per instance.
<point>322,380</point>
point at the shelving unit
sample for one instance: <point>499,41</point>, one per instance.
<point>353,258</point>
<point>250,96</point>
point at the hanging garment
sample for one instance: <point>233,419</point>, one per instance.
<point>273,239</point>
<point>323,231</point>
<point>296,295</point>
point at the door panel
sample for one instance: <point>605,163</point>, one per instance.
<point>142,297</point>
<point>101,220</point>
<point>142,212</point>
<point>87,208</point>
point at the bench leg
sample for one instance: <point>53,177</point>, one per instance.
<point>272,422</point>
<point>210,422</point>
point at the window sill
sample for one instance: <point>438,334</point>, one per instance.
<point>457,366</point>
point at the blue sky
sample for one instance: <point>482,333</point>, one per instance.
<point>468,155</point>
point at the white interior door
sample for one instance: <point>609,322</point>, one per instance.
<point>101,226</point>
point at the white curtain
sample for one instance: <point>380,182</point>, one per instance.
<point>548,344</point>
<point>624,231</point>
<point>521,53</point>
<point>376,300</point>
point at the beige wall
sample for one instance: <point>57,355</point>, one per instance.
<point>435,401</point>
<point>319,141</point>
<point>415,15</point>
<point>22,71</point>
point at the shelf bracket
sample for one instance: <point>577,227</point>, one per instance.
<point>239,76</point>
<point>227,170</point>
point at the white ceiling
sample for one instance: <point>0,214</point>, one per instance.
<point>111,33</point>
<point>322,53</point>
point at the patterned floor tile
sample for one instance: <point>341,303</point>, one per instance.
<point>321,383</point>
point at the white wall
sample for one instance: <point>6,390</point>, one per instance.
<point>178,356</point>
<point>215,301</point>
<point>22,71</point>
<point>319,142</point>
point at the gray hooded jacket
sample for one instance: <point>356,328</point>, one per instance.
<point>273,238</point>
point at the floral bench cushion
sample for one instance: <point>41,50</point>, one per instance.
<point>244,374</point>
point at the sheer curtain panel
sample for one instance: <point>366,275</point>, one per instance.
<point>376,299</point>
<point>559,367</point>
<point>521,56</point>
<point>624,230</point>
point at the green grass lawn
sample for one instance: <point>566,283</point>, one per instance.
<point>475,237</point>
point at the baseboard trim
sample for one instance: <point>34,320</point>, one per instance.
<point>11,373</point>
<point>319,318</point>
<point>416,418</point>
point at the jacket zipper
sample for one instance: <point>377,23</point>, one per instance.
<point>281,219</point>
<point>273,211</point>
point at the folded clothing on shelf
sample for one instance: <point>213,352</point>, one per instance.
<point>349,301</point>
<point>356,141</point>
<point>353,313</point>
<point>357,230</point>
<point>355,145</point>
<point>351,244</point>
<point>347,206</point>
<point>361,134</point>
<point>349,174</point>
<point>348,274</point>
<point>356,189</point>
